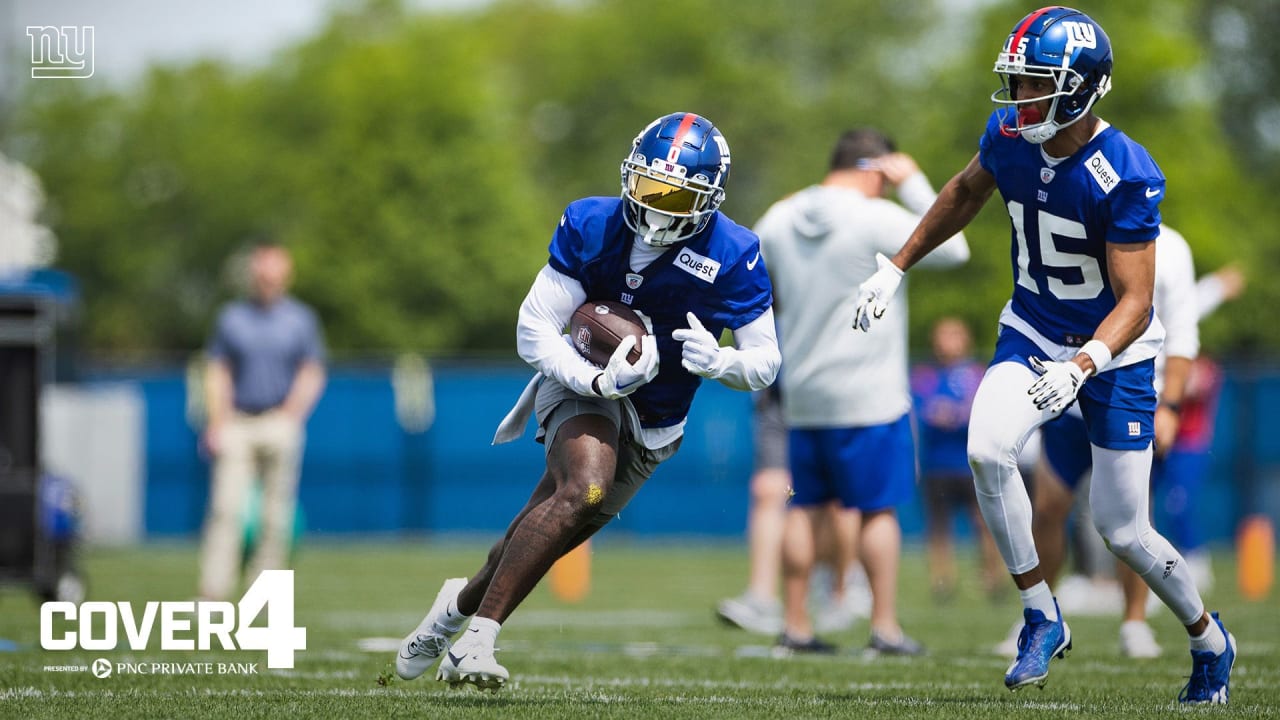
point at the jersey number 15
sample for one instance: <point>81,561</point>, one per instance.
<point>1050,256</point>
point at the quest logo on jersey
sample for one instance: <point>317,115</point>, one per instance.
<point>699,266</point>
<point>1102,171</point>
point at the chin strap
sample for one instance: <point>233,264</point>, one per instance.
<point>1040,135</point>
<point>653,230</point>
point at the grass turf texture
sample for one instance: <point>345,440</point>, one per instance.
<point>645,643</point>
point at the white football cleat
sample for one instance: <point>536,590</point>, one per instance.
<point>428,641</point>
<point>1008,647</point>
<point>1137,640</point>
<point>751,614</point>
<point>474,664</point>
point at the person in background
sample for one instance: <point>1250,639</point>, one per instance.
<point>846,401</point>
<point>1181,476</point>
<point>840,593</point>
<point>943,391</point>
<point>757,609</point>
<point>265,372</point>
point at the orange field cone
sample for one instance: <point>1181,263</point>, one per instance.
<point>571,575</point>
<point>1255,556</point>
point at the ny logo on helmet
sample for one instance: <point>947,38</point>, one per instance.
<point>1079,35</point>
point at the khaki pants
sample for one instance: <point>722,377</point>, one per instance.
<point>266,447</point>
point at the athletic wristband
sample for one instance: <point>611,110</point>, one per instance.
<point>1099,353</point>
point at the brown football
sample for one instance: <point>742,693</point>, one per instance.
<point>597,326</point>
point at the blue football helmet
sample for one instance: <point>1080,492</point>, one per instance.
<point>673,179</point>
<point>1064,45</point>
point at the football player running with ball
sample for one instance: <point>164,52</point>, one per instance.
<point>1083,204</point>
<point>666,250</point>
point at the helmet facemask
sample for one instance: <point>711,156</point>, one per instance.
<point>663,206</point>
<point>1071,100</point>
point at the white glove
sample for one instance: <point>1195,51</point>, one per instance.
<point>700,354</point>
<point>1057,385</point>
<point>875,293</point>
<point>621,378</point>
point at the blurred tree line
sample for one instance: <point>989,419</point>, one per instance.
<point>416,164</point>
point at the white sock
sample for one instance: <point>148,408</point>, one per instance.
<point>483,631</point>
<point>1039,597</point>
<point>1211,639</point>
<point>452,619</point>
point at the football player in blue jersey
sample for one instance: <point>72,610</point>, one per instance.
<point>665,249</point>
<point>1083,201</point>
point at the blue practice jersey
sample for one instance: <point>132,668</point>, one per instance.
<point>943,396</point>
<point>1063,216</point>
<point>718,275</point>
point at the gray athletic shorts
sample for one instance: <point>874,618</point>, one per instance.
<point>768,431</point>
<point>555,404</point>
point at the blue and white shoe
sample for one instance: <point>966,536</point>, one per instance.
<point>1040,641</point>
<point>1210,674</point>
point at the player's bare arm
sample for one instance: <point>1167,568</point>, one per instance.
<point>960,200</point>
<point>1132,267</point>
<point>957,204</point>
<point>1176,372</point>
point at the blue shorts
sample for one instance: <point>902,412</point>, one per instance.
<point>1178,481</point>
<point>1066,447</point>
<point>1119,406</point>
<point>867,468</point>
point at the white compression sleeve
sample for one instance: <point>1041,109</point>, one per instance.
<point>539,331</point>
<point>1119,498</point>
<point>754,361</point>
<point>1002,419</point>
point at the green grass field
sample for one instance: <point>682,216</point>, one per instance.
<point>645,643</point>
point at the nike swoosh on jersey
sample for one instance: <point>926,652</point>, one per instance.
<point>754,261</point>
<point>1152,192</point>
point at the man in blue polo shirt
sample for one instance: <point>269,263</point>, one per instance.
<point>264,375</point>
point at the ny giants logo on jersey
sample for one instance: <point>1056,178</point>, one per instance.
<point>699,266</point>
